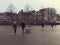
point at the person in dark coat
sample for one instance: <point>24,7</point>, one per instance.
<point>52,24</point>
<point>22,26</point>
<point>15,27</point>
<point>42,25</point>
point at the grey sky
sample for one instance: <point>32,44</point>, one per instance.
<point>34,4</point>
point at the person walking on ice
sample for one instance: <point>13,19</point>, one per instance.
<point>15,26</point>
<point>22,26</point>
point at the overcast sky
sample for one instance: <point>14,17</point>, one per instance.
<point>34,4</point>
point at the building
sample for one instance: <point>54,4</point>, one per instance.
<point>2,18</point>
<point>11,17</point>
<point>25,16</point>
<point>58,17</point>
<point>36,17</point>
<point>48,14</point>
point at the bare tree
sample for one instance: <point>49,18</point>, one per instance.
<point>11,8</point>
<point>11,12</point>
<point>28,8</point>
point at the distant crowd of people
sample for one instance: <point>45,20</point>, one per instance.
<point>22,24</point>
<point>52,24</point>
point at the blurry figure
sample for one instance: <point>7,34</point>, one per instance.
<point>22,26</point>
<point>15,26</point>
<point>42,25</point>
<point>52,24</point>
<point>55,23</point>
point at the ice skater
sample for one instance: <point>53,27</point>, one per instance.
<point>52,24</point>
<point>22,26</point>
<point>15,27</point>
<point>42,25</point>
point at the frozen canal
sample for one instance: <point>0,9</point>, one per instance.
<point>37,36</point>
